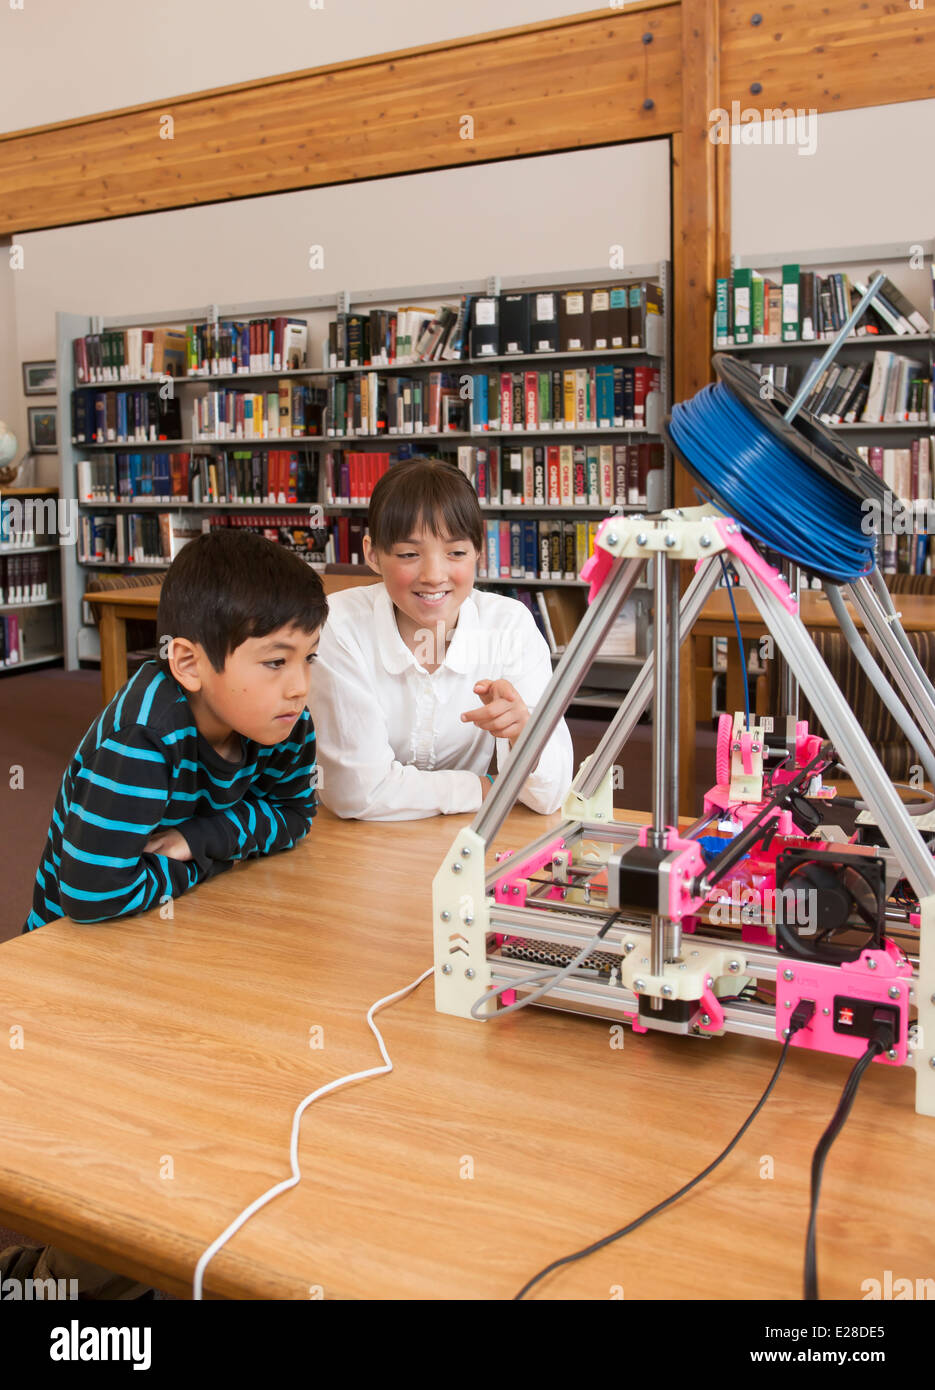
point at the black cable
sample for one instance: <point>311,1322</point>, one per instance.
<point>801,1016</point>
<point>874,1048</point>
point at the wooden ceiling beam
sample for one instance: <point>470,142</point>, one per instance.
<point>582,82</point>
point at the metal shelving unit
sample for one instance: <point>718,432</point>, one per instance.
<point>80,642</point>
<point>47,629</point>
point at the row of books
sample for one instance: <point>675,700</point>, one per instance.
<point>910,474</point>
<point>562,475</point>
<point>135,354</point>
<point>568,320</point>
<point>803,306</point>
<point>602,396</point>
<point>11,640</point>
<point>24,578</point>
<point>544,549</point>
<point>292,410</point>
<point>13,528</point>
<point>145,415</point>
<point>237,475</point>
<point>889,390</point>
<point>133,538</point>
<point>294,533</point>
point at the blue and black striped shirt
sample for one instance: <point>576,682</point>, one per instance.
<point>143,766</point>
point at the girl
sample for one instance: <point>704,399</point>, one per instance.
<point>418,677</point>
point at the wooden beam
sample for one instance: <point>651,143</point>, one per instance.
<point>565,84</point>
<point>694,244</point>
<point>834,56</point>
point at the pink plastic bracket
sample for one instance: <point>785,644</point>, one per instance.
<point>734,541</point>
<point>595,570</point>
<point>712,1006</point>
<point>687,867</point>
<point>512,887</point>
<point>853,980</point>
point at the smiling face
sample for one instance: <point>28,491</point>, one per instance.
<point>427,578</point>
<point>260,693</point>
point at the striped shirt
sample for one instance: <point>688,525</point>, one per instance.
<point>143,766</point>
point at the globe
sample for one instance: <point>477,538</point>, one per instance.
<point>7,445</point>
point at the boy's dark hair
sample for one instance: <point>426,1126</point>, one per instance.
<point>229,585</point>
<point>426,492</point>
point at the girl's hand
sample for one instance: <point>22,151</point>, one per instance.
<point>170,842</point>
<point>503,713</point>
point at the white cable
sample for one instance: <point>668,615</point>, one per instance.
<point>284,1186</point>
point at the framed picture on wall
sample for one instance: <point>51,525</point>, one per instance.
<point>40,378</point>
<point>43,429</point>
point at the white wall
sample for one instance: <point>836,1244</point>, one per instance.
<point>69,58</point>
<point>869,180</point>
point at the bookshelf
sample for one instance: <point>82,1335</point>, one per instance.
<point>31,626</point>
<point>80,638</point>
<point>902,449</point>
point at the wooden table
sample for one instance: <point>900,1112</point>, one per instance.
<point>162,1061</point>
<point>117,605</point>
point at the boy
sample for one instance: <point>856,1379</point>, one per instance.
<point>206,755</point>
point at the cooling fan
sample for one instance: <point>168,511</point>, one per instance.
<point>828,893</point>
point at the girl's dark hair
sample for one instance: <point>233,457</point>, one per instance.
<point>228,585</point>
<point>424,492</point>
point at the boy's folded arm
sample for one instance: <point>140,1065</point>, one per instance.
<point>263,823</point>
<point>115,803</point>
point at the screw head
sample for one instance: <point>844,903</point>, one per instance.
<point>788,974</point>
<point>466,852</point>
<point>667,991</point>
<point>894,991</point>
<point>638,985</point>
<point>706,1019</point>
<point>756,19</point>
<point>733,966</point>
<point>469,921</point>
<point>641,539</point>
<point>446,969</point>
<point>704,541</point>
<point>756,88</point>
<point>629,946</point>
<point>647,38</point>
<point>892,1054</point>
<point>516,889</point>
<point>709,981</point>
<point>446,916</point>
<point>670,539</point>
<point>932,1061</point>
<point>456,868</point>
<point>871,964</point>
<point>469,973</point>
<point>826,1011</point>
<point>611,539</point>
<point>648,104</point>
<point>788,1004</point>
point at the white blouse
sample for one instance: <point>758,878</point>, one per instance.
<point>390,741</point>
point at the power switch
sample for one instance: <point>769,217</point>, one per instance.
<point>861,1017</point>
